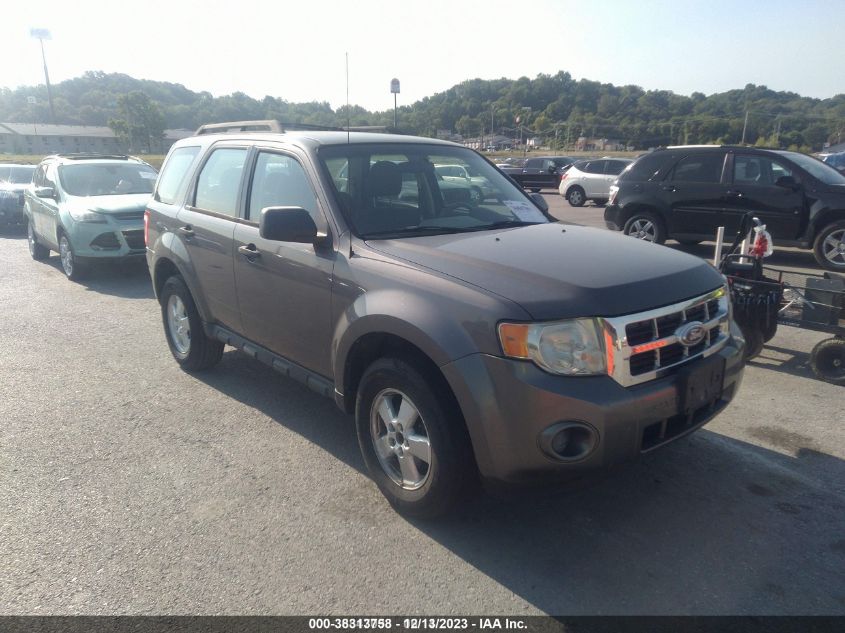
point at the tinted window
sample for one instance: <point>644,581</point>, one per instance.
<point>647,167</point>
<point>758,170</point>
<point>615,167</point>
<point>38,178</point>
<point>105,179</point>
<point>534,163</point>
<point>174,173</point>
<point>594,167</point>
<point>220,180</point>
<point>279,181</point>
<point>699,168</point>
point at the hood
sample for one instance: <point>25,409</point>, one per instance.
<point>557,271</point>
<point>126,203</point>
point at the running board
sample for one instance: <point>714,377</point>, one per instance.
<point>315,382</point>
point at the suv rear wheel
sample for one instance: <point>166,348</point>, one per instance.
<point>187,340</point>
<point>576,197</point>
<point>414,443</point>
<point>645,226</point>
<point>829,247</point>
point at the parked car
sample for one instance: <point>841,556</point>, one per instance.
<point>686,192</point>
<point>14,179</point>
<point>539,172</point>
<point>464,339</point>
<point>459,174</point>
<point>837,161</point>
<point>88,207</point>
<point>591,180</point>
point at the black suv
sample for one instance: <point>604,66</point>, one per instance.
<point>465,336</point>
<point>686,192</point>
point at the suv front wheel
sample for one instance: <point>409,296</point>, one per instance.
<point>829,247</point>
<point>412,439</point>
<point>187,340</point>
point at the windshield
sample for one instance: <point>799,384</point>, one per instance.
<point>401,190</point>
<point>827,174</point>
<point>17,175</point>
<point>106,179</point>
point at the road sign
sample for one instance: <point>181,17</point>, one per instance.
<point>394,86</point>
<point>40,34</point>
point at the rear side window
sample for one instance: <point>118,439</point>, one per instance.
<point>647,167</point>
<point>615,167</point>
<point>220,180</point>
<point>704,168</point>
<point>174,174</point>
<point>594,167</point>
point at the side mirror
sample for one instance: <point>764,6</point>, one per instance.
<point>540,202</point>
<point>787,182</point>
<point>287,224</point>
<point>45,192</point>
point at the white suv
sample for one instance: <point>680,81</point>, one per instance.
<point>591,180</point>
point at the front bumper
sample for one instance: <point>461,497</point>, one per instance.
<point>508,405</point>
<point>11,208</point>
<point>113,239</point>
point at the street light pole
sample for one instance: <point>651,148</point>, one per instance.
<point>394,88</point>
<point>41,35</point>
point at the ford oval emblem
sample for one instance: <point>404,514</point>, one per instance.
<point>691,334</point>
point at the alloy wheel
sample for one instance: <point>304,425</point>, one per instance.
<point>66,255</point>
<point>833,248</point>
<point>179,325</point>
<point>400,439</point>
<point>575,198</point>
<point>643,229</point>
<point>30,238</point>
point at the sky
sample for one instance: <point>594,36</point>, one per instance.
<point>297,50</point>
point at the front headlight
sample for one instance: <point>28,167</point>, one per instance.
<point>86,215</point>
<point>574,347</point>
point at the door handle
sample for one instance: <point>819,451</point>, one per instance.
<point>186,230</point>
<point>249,251</point>
<point>670,188</point>
<point>733,193</point>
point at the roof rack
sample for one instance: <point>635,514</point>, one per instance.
<point>269,125</point>
<point>93,155</point>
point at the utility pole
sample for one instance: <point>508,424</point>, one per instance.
<point>777,134</point>
<point>744,127</point>
<point>41,35</point>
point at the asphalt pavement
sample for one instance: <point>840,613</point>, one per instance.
<point>130,487</point>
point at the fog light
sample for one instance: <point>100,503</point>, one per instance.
<point>569,441</point>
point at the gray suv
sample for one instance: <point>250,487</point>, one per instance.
<point>466,338</point>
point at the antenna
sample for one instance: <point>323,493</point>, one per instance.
<point>347,99</point>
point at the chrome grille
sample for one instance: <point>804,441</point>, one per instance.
<point>646,345</point>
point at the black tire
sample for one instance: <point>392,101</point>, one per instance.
<point>73,268</point>
<point>576,197</point>
<point>645,226</point>
<point>827,360</point>
<point>754,342</point>
<point>827,253</point>
<point>451,469</point>
<point>37,251</point>
<point>600,203</point>
<point>201,351</point>
<point>689,242</point>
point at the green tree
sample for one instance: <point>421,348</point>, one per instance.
<point>140,125</point>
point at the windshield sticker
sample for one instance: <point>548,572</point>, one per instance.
<point>148,175</point>
<point>525,211</point>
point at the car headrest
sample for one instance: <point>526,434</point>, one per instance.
<point>385,179</point>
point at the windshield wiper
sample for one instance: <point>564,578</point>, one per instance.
<point>440,228</point>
